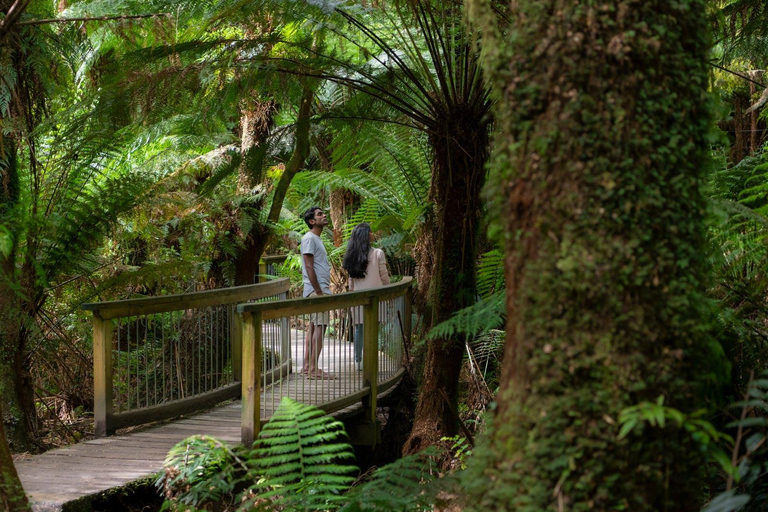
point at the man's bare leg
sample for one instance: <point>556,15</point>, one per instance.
<point>310,363</point>
<point>317,346</point>
<point>313,345</point>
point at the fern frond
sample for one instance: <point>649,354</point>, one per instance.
<point>482,316</point>
<point>200,469</point>
<point>300,458</point>
<point>400,485</point>
<point>490,273</point>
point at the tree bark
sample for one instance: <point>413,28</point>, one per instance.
<point>599,164</point>
<point>12,495</point>
<point>256,120</point>
<point>15,381</point>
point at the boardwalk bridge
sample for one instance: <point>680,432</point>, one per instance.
<point>165,359</point>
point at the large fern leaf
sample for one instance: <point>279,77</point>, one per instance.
<point>301,460</point>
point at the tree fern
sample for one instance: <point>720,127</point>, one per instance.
<point>490,273</point>
<point>489,312</point>
<point>482,316</point>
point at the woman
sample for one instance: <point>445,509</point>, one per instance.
<point>367,268</point>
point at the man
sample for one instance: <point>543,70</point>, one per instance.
<point>316,272</point>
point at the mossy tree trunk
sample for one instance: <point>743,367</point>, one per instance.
<point>599,163</point>
<point>260,235</point>
<point>12,495</point>
<point>16,314</point>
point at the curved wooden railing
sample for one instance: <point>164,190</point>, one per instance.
<point>385,314</point>
<point>159,357</point>
<point>156,358</point>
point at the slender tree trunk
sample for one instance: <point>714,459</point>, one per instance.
<point>600,160</point>
<point>458,175</point>
<point>340,199</point>
<point>257,119</point>
<point>15,381</point>
<point>12,495</point>
<point>256,243</point>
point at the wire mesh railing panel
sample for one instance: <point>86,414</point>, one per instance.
<point>390,342</point>
<point>320,347</point>
<point>163,357</point>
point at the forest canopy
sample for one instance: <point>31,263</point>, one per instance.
<point>577,189</point>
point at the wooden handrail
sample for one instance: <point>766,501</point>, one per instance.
<point>274,258</point>
<point>272,310</point>
<point>104,313</point>
<point>165,303</point>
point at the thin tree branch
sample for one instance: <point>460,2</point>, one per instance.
<point>93,18</point>
<point>745,77</point>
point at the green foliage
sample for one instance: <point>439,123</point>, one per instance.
<point>746,486</point>
<point>460,448</point>
<point>739,229</point>
<point>199,470</point>
<point>403,485</point>
<point>633,419</point>
<point>300,460</point>
<point>489,312</point>
<point>481,317</point>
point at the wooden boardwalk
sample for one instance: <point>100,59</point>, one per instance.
<point>84,470</point>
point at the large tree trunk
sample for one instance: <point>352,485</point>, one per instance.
<point>12,495</point>
<point>601,157</point>
<point>15,381</point>
<point>458,174</point>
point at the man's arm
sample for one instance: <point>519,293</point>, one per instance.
<point>309,264</point>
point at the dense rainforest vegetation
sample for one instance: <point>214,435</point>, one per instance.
<point>579,188</point>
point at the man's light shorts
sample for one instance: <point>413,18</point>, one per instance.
<point>321,318</point>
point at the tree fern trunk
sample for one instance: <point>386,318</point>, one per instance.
<point>460,149</point>
<point>15,400</point>
<point>603,120</point>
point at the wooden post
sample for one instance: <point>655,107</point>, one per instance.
<point>102,374</point>
<point>285,338</point>
<point>251,377</point>
<point>237,348</point>
<point>371,356</point>
<point>262,271</point>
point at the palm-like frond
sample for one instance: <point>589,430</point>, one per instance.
<point>480,317</point>
<point>743,29</point>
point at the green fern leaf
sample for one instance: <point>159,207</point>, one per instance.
<point>300,460</point>
<point>401,485</point>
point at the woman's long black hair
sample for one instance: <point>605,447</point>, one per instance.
<point>356,257</point>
